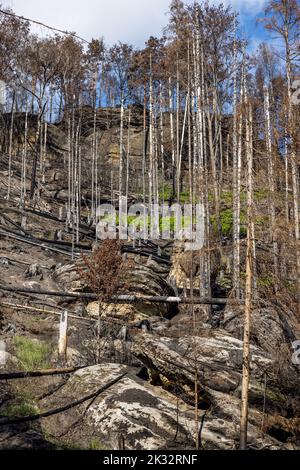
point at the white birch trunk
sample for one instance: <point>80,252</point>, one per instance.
<point>10,149</point>
<point>248,290</point>
<point>271,177</point>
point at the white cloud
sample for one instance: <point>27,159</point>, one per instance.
<point>130,21</point>
<point>252,6</point>
<point>127,20</point>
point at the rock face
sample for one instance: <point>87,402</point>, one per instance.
<point>187,263</point>
<point>134,414</point>
<point>215,358</point>
<point>68,277</point>
<point>27,440</point>
<point>282,325</point>
<point>216,355</point>
<point>34,270</point>
<point>148,280</point>
<point>132,411</point>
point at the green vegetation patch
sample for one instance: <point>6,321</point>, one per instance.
<point>96,444</point>
<point>261,195</point>
<point>226,221</point>
<point>32,354</point>
<point>167,223</point>
<point>266,281</point>
<point>19,410</point>
<point>166,193</point>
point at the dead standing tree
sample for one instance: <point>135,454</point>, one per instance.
<point>120,60</point>
<point>250,281</point>
<point>104,272</point>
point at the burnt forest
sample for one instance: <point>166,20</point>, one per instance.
<point>150,234</point>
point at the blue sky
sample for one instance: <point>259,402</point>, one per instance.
<point>130,21</point>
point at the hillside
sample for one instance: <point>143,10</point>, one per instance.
<point>149,341</point>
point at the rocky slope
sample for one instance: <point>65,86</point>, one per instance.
<point>164,350</point>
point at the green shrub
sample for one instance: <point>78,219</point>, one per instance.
<point>266,281</point>
<point>32,354</point>
<point>165,192</point>
<point>226,220</point>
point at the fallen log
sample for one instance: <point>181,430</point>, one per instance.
<point>147,254</point>
<point>119,299</point>
<point>24,263</point>
<point>45,311</point>
<point>28,235</point>
<point>24,290</point>
<point>144,251</point>
<point>39,245</point>
<point>46,414</point>
<point>32,238</point>
<point>113,320</point>
<point>14,224</point>
<point>48,245</point>
<point>63,243</point>
<point>83,229</point>
<point>37,373</point>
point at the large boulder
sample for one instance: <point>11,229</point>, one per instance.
<point>272,329</point>
<point>135,415</point>
<point>132,411</point>
<point>186,263</point>
<point>214,356</point>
